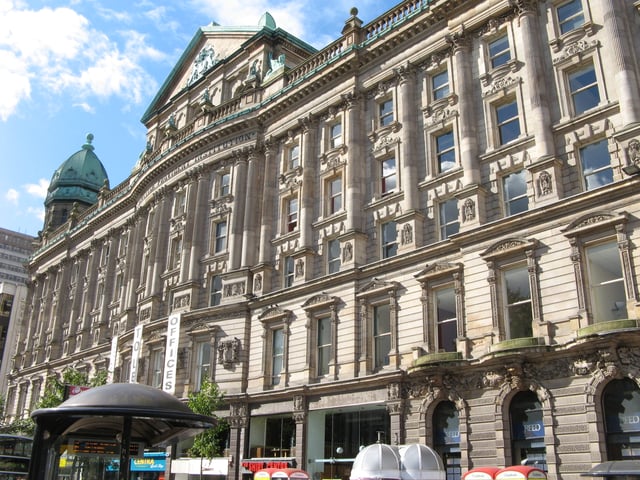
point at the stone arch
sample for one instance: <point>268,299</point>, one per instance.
<point>515,383</point>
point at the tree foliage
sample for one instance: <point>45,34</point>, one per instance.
<point>211,442</point>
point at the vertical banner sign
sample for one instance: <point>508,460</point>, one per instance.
<point>171,353</point>
<point>112,359</point>
<point>135,353</point>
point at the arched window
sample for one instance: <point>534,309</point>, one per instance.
<point>527,431</point>
<point>621,408</point>
<point>446,437</point>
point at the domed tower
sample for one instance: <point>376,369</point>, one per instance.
<point>75,184</point>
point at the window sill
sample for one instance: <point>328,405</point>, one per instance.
<point>437,357</point>
<point>601,328</point>
<point>516,343</point>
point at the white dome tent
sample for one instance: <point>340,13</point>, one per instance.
<point>420,462</point>
<point>380,461</point>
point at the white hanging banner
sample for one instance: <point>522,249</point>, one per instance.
<point>112,359</point>
<point>135,353</point>
<point>171,353</point>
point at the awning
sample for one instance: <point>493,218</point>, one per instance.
<point>481,473</point>
<point>614,468</point>
<point>281,473</point>
<point>520,472</point>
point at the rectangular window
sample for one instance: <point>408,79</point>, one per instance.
<point>570,16</point>
<point>292,214</point>
<point>449,223</point>
<point>445,151</point>
<point>335,135</point>
<point>203,362</point>
<point>176,252</point>
<point>583,86</point>
<point>389,239</point>
<point>277,355</point>
<point>323,346</point>
<point>596,165</point>
<point>334,194</point>
<point>157,364</point>
<point>381,335</point>
<point>385,113</point>
<point>220,243</point>
<point>388,175</point>
<point>440,85</point>
<point>289,271</point>
<point>606,282</point>
<point>515,193</point>
<point>446,319</point>
<point>507,121</point>
<point>518,312</point>
<point>333,258</point>
<point>499,52</point>
<point>215,290</point>
<point>180,203</point>
<point>225,184</point>
<point>294,157</point>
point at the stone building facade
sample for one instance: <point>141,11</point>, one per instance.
<point>424,232</point>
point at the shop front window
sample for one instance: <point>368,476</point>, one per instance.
<point>527,431</point>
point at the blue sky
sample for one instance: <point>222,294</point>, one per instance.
<point>68,68</point>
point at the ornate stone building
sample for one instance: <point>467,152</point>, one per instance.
<point>424,232</point>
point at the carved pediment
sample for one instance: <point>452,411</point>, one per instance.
<point>377,285</point>
<point>322,299</point>
<point>437,269</point>
<point>594,221</point>
<point>508,246</point>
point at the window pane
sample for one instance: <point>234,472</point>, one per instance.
<point>278,355</point>
<point>334,255</point>
<point>446,319</point>
<point>388,175</point>
<point>584,89</point>
<point>515,192</point>
<point>381,335</point>
<point>596,165</point>
<point>324,345</point>
<point>606,281</point>
<point>449,224</point>
<point>440,85</point>
<point>570,16</point>
<point>386,113</point>
<point>508,123</point>
<point>499,53</point>
<point>389,239</point>
<point>518,301</point>
<point>445,151</point>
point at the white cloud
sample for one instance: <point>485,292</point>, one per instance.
<point>38,189</point>
<point>37,212</point>
<point>84,106</point>
<point>12,196</point>
<point>57,51</point>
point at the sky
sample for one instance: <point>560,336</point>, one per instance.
<point>73,67</point>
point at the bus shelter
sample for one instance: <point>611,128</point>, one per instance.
<point>97,432</point>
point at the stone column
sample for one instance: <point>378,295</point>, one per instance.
<point>308,195</point>
<point>238,422</point>
<point>300,417</point>
<point>135,252</point>
<point>190,216</point>
<point>538,115</point>
<point>355,186</point>
<point>268,207</point>
<point>250,234</point>
<point>407,101</point>
<point>199,223</point>
<point>237,213</point>
<point>462,60</point>
<point>160,233</point>
<point>619,59</point>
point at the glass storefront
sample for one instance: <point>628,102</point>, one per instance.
<point>621,407</point>
<point>527,431</point>
<point>446,441</point>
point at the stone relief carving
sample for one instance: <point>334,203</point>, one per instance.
<point>203,62</point>
<point>229,352</point>
<point>468,210</point>
<point>545,186</point>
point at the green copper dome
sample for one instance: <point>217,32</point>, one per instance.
<point>79,178</point>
